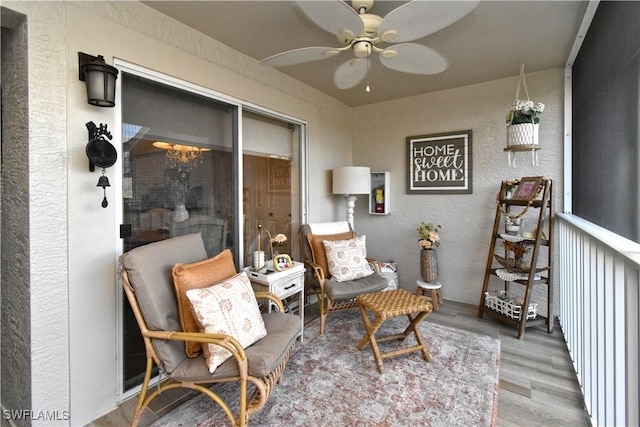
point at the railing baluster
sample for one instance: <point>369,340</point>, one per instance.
<point>599,316</point>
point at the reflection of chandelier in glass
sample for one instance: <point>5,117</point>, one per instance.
<point>184,154</point>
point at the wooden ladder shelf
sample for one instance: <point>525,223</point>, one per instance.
<point>539,272</point>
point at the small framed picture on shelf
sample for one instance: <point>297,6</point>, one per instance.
<point>528,188</point>
<point>282,262</point>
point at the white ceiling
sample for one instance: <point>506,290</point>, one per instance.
<point>487,44</point>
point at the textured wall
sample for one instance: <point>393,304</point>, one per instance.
<point>467,220</point>
<point>43,213</point>
<point>14,293</point>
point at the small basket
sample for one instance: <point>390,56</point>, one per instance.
<point>504,304</point>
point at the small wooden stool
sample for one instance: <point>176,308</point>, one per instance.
<point>434,288</point>
<point>386,305</point>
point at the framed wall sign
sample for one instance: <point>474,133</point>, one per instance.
<point>279,175</point>
<point>439,163</point>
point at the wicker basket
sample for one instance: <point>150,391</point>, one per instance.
<point>429,265</point>
<point>504,304</point>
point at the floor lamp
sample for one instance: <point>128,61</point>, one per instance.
<point>350,180</point>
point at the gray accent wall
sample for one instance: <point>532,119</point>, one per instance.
<point>15,317</point>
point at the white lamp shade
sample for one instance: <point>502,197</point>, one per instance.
<point>351,180</point>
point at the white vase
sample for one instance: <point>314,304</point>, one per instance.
<point>522,134</point>
<point>180,214</point>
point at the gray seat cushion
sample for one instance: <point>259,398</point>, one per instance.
<point>353,288</point>
<point>149,268</point>
<point>263,356</point>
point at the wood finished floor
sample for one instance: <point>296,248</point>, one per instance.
<point>538,386</point>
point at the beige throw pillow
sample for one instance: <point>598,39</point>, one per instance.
<point>229,307</point>
<point>317,247</point>
<point>347,259</point>
<point>198,275</point>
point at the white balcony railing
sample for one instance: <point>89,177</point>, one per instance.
<point>598,314</point>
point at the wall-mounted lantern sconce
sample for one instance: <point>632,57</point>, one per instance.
<point>102,154</point>
<point>100,79</point>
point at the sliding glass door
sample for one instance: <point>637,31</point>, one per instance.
<point>192,162</point>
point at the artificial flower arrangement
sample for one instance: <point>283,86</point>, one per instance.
<point>429,235</point>
<point>519,249</point>
<point>179,191</point>
<point>276,240</point>
<point>525,112</point>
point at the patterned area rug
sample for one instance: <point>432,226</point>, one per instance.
<point>328,382</point>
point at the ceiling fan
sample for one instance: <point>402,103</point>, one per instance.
<point>363,33</point>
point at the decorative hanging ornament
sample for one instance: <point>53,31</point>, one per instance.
<point>100,153</point>
<point>103,182</point>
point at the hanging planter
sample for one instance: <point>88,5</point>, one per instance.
<point>522,123</point>
<point>522,134</point>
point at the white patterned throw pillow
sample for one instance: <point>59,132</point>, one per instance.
<point>228,307</point>
<point>347,259</point>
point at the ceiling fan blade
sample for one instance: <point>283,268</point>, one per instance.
<point>299,56</point>
<point>350,73</point>
<point>413,58</point>
<point>334,16</point>
<point>418,19</point>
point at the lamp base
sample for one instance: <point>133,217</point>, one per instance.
<point>351,206</point>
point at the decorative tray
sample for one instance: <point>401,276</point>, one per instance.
<point>512,238</point>
<point>511,276</point>
<point>503,262</point>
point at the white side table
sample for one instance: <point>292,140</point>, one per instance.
<point>283,284</point>
<point>434,289</point>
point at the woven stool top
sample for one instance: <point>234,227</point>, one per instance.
<point>394,303</point>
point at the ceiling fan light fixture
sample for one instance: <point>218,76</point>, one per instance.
<point>361,31</point>
<point>362,49</point>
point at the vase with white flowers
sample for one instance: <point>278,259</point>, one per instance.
<point>180,190</point>
<point>523,118</point>
<point>429,240</point>
<point>522,123</point>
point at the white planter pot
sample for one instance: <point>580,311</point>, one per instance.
<point>522,134</point>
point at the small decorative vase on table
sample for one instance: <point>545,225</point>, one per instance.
<point>429,240</point>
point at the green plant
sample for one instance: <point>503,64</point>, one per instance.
<point>511,184</point>
<point>525,112</point>
<point>429,235</point>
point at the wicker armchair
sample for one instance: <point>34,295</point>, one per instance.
<point>332,295</point>
<point>147,279</point>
